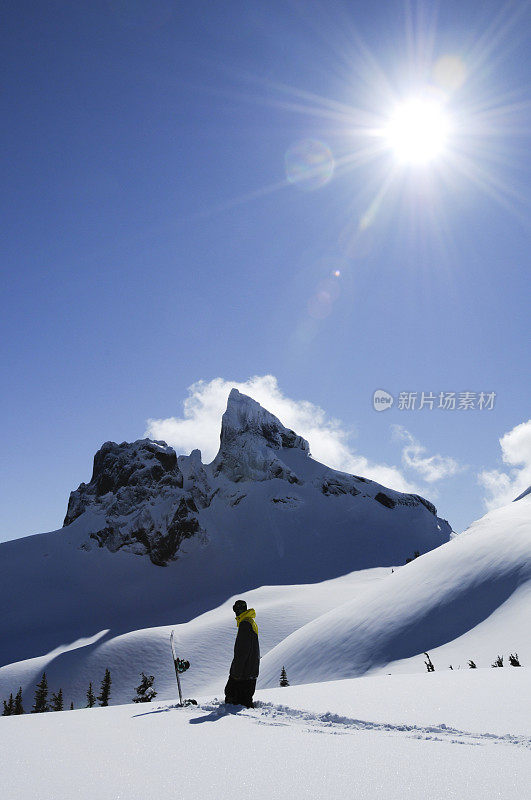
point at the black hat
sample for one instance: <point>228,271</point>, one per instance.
<point>239,607</point>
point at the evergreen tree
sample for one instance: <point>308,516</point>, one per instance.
<point>514,661</point>
<point>472,664</point>
<point>9,706</point>
<point>105,689</point>
<point>283,678</point>
<point>498,662</point>
<point>57,701</point>
<point>41,696</point>
<point>429,665</point>
<point>91,698</point>
<point>145,692</point>
<point>19,708</point>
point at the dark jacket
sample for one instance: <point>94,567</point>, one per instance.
<point>246,661</point>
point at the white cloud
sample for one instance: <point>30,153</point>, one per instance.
<point>504,487</point>
<point>329,439</point>
<point>430,468</point>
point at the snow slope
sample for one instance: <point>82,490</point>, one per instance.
<point>206,641</point>
<point>369,738</point>
<point>472,592</point>
<point>469,599</point>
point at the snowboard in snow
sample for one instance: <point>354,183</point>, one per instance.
<point>181,665</point>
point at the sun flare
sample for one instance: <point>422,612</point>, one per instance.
<point>418,131</point>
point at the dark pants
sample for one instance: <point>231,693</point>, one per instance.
<point>240,693</point>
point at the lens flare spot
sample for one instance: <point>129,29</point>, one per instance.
<point>321,303</point>
<point>309,164</point>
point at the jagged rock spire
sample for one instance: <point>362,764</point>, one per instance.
<point>250,441</point>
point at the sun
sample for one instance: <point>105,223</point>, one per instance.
<point>417,131</point>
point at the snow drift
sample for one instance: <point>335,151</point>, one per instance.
<point>434,600</point>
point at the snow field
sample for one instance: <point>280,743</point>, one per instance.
<point>289,749</point>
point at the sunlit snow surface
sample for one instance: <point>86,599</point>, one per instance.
<point>443,735</point>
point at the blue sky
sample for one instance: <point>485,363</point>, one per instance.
<point>153,237</point>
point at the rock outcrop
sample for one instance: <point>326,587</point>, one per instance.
<point>147,497</point>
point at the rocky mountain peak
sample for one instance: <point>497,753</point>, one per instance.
<point>245,417</point>
<point>251,442</point>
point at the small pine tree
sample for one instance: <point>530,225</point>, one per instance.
<point>283,678</point>
<point>19,708</point>
<point>498,662</point>
<point>145,692</point>
<point>8,707</point>
<point>57,701</point>
<point>41,696</point>
<point>429,665</point>
<point>105,689</point>
<point>514,661</point>
<point>91,697</point>
<point>472,664</point>
<point>71,705</point>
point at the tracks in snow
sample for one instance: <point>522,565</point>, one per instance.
<point>273,714</point>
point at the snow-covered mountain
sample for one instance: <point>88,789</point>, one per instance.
<point>262,487</point>
<point>262,513</point>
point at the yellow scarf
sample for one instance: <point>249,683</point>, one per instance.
<point>249,615</point>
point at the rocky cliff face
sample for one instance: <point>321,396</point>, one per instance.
<point>148,497</point>
<point>145,499</point>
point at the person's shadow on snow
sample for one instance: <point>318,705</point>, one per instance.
<point>223,711</point>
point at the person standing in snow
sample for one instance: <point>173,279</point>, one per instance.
<point>246,662</point>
